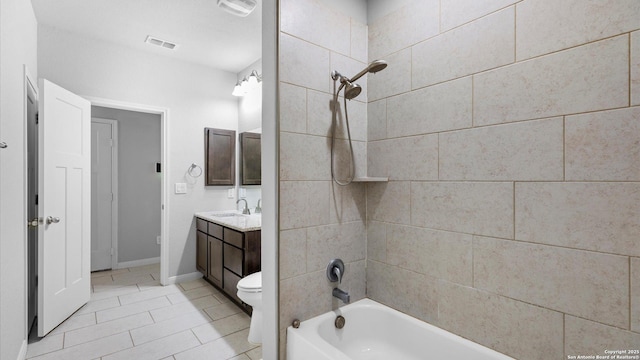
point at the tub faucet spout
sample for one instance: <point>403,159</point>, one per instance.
<point>342,295</point>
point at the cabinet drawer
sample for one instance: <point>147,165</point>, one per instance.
<point>233,237</point>
<point>201,225</point>
<point>233,259</point>
<point>230,283</point>
<point>215,230</point>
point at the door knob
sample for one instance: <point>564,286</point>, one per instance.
<point>52,220</point>
<point>3,145</point>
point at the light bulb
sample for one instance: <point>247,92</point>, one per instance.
<point>237,90</point>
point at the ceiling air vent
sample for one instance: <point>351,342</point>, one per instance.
<point>162,43</point>
<point>238,7</point>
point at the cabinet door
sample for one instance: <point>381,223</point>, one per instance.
<point>215,261</point>
<point>250,162</point>
<point>201,252</point>
<point>220,156</point>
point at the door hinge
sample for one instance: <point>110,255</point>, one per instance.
<point>37,118</point>
<point>112,197</point>
<point>36,199</point>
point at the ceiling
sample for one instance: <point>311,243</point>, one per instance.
<point>205,33</point>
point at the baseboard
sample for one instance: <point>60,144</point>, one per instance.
<point>184,278</point>
<point>141,262</point>
<point>23,350</point>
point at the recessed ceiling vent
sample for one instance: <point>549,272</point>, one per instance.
<point>162,43</point>
<point>238,7</point>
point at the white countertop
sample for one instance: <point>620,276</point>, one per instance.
<point>233,219</point>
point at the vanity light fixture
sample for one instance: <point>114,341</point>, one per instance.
<point>247,84</point>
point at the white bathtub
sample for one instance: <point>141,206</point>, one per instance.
<point>376,332</point>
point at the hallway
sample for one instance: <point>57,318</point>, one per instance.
<point>131,316</point>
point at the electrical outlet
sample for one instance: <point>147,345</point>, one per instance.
<point>231,193</point>
<point>158,239</point>
<point>243,193</point>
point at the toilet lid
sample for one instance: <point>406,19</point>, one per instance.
<point>252,282</point>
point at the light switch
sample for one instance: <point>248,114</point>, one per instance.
<point>243,193</point>
<point>181,188</point>
<point>231,193</point>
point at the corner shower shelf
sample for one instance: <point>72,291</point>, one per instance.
<point>368,179</point>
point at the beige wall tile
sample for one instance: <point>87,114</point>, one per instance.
<point>293,108</point>
<point>342,158</point>
<point>440,107</point>
<point>412,23</point>
<point>545,26</point>
<point>293,253</point>
<point>345,241</point>
<point>303,297</point>
<point>473,208</point>
<point>635,68</point>
<point>303,203</point>
<point>603,145</point>
<point>440,254</point>
<point>393,80</point>
<point>591,216</point>
<point>354,282</point>
<point>548,86</point>
<point>347,203</point>
<point>317,23</point>
<point>512,327</point>
<point>389,202</point>
<point>304,64</point>
<point>359,41</point>
<point>635,294</point>
<point>319,113</point>
<point>531,150</point>
<point>377,241</point>
<point>582,283</point>
<point>457,12</point>
<point>419,292</point>
<point>304,157</point>
<point>584,337</point>
<point>377,120</point>
<point>480,45</point>
<point>408,158</point>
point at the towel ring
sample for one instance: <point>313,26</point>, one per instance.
<point>194,170</point>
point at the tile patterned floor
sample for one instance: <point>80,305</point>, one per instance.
<point>131,316</point>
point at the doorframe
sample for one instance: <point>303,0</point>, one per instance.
<point>29,82</point>
<point>164,146</point>
<point>114,187</point>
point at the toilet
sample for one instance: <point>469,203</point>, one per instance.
<point>250,291</point>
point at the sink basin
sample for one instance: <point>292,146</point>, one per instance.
<point>230,214</point>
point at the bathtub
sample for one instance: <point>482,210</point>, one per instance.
<point>373,331</point>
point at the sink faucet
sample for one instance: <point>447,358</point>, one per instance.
<point>258,208</point>
<point>342,295</point>
<point>245,211</point>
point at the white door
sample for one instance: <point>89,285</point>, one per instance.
<point>103,133</point>
<point>64,205</point>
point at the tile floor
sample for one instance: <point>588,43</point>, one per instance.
<point>131,316</point>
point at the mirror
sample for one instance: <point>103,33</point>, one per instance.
<point>250,158</point>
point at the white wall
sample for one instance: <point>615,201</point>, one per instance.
<point>18,46</point>
<point>196,96</point>
<point>139,185</point>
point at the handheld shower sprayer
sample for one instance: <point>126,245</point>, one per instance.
<point>351,91</point>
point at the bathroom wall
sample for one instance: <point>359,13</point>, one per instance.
<point>196,96</point>
<point>139,185</point>
<point>510,133</point>
<point>18,47</point>
<point>319,220</point>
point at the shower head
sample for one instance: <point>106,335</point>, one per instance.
<point>352,90</point>
<point>373,67</point>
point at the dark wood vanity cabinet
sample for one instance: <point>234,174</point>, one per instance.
<point>227,256</point>
<point>220,156</point>
<point>250,159</point>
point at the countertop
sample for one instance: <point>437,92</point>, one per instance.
<point>233,219</point>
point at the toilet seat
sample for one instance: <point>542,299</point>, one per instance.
<point>251,283</point>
